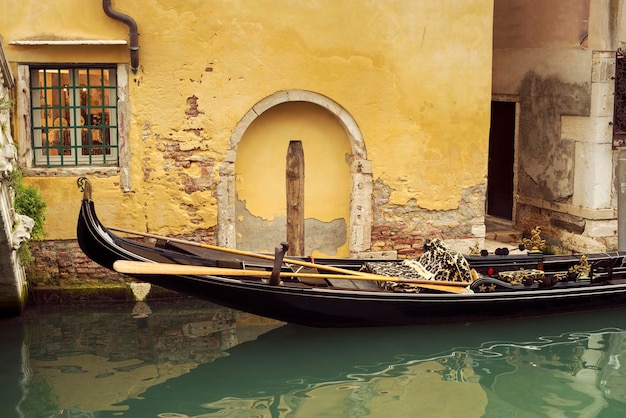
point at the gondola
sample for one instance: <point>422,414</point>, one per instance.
<point>507,285</point>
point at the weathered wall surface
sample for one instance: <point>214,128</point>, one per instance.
<point>12,277</point>
<point>261,189</point>
<point>546,161</point>
<point>539,58</point>
<point>556,59</point>
<point>414,76</point>
<point>405,228</point>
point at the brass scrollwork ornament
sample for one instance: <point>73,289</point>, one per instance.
<point>474,250</point>
<point>534,244</point>
<point>84,185</point>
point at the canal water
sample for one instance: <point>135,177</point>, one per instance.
<point>187,358</point>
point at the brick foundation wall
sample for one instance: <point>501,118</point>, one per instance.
<point>405,228</point>
<point>63,264</point>
<point>564,233</point>
<point>529,217</point>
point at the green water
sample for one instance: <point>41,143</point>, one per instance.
<point>187,358</point>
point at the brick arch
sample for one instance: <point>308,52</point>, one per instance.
<point>360,170</point>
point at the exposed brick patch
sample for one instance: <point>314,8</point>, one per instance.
<point>201,235</point>
<point>575,226</point>
<point>176,158</point>
<point>405,228</point>
<point>62,264</point>
<point>206,182</point>
<point>192,111</point>
<point>529,217</point>
<point>171,151</point>
<point>554,226</point>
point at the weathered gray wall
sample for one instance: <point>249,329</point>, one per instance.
<point>546,162</point>
<point>263,235</point>
<point>555,59</point>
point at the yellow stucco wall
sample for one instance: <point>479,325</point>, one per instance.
<point>415,76</point>
<point>261,176</point>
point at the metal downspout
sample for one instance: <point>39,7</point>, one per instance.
<point>621,200</point>
<point>134,35</point>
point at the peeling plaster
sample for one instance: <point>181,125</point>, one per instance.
<point>546,162</point>
<point>320,238</point>
<point>411,219</point>
<point>361,171</point>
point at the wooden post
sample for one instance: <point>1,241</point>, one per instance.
<point>295,198</point>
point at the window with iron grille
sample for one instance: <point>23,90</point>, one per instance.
<point>74,116</point>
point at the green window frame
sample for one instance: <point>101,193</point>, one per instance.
<point>74,116</point>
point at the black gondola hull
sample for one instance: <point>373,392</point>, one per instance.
<point>333,307</point>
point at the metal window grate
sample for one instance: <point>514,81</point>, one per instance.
<point>619,110</point>
<point>74,116</point>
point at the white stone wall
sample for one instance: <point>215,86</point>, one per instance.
<point>12,277</point>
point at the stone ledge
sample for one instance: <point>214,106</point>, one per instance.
<point>505,236</point>
<point>41,295</point>
<point>586,213</point>
<point>378,255</point>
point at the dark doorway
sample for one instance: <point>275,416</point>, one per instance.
<point>501,157</point>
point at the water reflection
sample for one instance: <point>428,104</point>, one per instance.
<point>81,360</point>
<point>194,359</point>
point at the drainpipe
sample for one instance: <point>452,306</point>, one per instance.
<point>621,200</point>
<point>134,35</point>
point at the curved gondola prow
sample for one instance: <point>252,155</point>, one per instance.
<point>84,185</point>
<point>93,238</point>
<point>105,247</point>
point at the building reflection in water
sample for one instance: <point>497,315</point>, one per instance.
<point>570,375</point>
<point>92,359</point>
<point>188,358</point>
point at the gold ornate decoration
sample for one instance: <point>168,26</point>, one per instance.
<point>521,276</point>
<point>84,185</point>
<point>535,244</point>
<point>582,269</point>
<point>486,288</point>
<point>474,250</point>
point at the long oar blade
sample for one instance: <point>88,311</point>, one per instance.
<point>244,253</point>
<point>140,267</point>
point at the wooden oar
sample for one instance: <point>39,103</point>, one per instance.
<point>429,283</point>
<point>141,267</point>
<point>244,253</point>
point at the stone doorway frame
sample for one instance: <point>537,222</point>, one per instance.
<point>360,171</point>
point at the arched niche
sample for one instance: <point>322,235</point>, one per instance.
<point>360,170</point>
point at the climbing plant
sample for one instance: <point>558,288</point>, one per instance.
<point>5,104</point>
<point>28,201</point>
